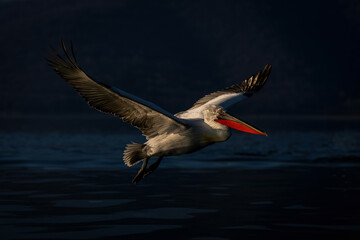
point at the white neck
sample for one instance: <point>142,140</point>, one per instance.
<point>209,119</point>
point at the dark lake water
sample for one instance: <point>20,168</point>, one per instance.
<point>65,179</point>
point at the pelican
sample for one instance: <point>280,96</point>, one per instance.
<point>205,123</point>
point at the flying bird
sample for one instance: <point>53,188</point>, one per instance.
<point>205,123</point>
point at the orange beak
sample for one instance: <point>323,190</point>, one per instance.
<point>230,121</point>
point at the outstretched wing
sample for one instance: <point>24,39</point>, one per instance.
<point>230,95</point>
<point>148,117</point>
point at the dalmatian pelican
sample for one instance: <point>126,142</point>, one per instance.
<point>205,123</point>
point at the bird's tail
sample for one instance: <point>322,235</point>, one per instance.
<point>134,153</point>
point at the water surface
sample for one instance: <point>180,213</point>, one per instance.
<point>74,185</point>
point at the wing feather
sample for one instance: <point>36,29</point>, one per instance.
<point>246,88</point>
<point>228,96</point>
<point>148,117</point>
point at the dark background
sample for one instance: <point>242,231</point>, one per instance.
<point>61,169</point>
<point>174,52</point>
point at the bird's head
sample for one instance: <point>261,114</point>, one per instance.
<point>216,117</point>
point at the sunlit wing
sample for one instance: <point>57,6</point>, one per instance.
<point>228,96</point>
<point>148,117</point>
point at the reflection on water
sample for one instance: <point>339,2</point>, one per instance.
<point>99,232</point>
<point>303,184</point>
<point>223,204</point>
<point>90,203</point>
<point>55,150</point>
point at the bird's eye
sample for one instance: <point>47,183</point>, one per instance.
<point>220,110</point>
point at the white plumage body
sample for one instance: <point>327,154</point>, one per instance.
<point>197,136</point>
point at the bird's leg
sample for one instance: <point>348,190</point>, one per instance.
<point>141,172</point>
<point>153,167</point>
